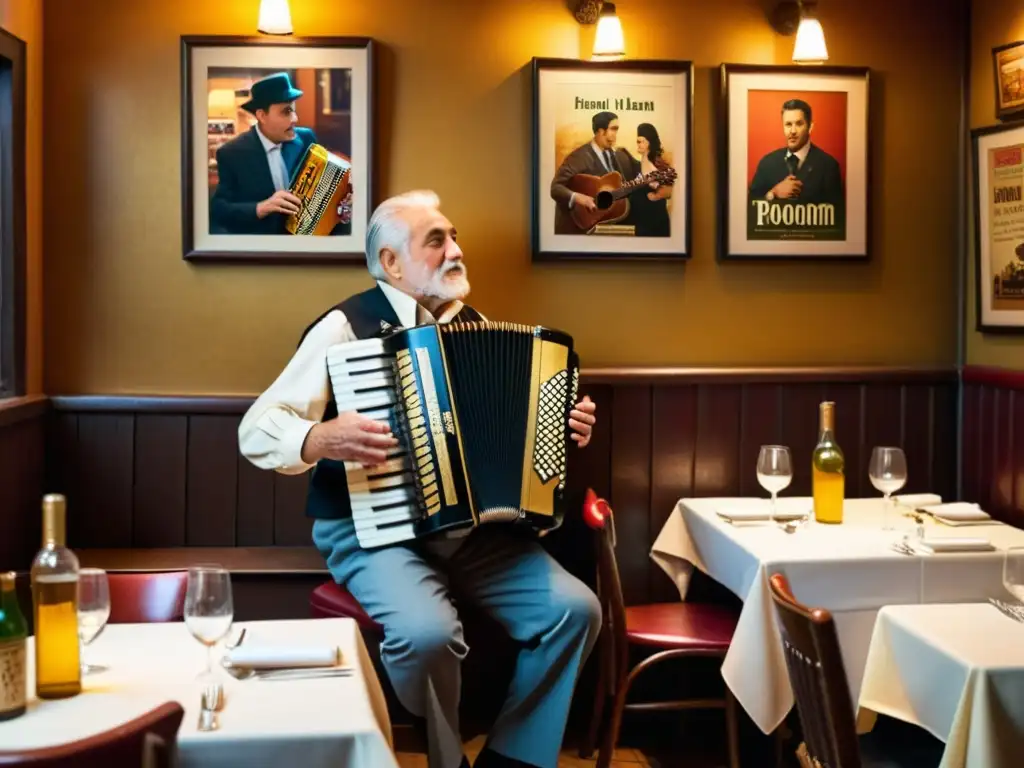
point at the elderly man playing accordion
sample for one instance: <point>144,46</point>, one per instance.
<point>294,426</point>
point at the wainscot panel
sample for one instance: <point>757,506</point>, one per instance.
<point>993,441</point>
<point>22,454</point>
<point>159,472</point>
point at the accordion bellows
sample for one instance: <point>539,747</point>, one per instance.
<point>320,181</point>
<point>481,413</point>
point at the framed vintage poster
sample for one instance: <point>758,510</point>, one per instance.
<point>1008,67</point>
<point>998,157</point>
<point>795,156</point>
<point>611,159</point>
<point>277,148</point>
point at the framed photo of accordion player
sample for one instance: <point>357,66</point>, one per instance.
<point>277,148</point>
<point>611,159</point>
<point>795,154</point>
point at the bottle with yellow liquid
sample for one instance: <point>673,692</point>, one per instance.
<point>55,607</point>
<point>828,469</point>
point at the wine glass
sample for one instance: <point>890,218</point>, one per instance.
<point>1013,572</point>
<point>93,611</point>
<point>209,608</point>
<point>774,471</point>
<point>888,473</point>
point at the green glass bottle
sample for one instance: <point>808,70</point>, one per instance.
<point>13,642</point>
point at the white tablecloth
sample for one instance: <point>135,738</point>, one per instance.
<point>340,721</point>
<point>850,569</point>
<point>956,670</point>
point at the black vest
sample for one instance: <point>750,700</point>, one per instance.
<point>370,314</point>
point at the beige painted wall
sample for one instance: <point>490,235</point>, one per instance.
<point>125,314</point>
<point>993,23</point>
<point>24,19</point>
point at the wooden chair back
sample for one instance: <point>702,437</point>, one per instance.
<point>137,598</point>
<point>818,678</point>
<point>148,741</point>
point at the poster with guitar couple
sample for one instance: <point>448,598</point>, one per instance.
<point>611,154</point>
<point>794,152</point>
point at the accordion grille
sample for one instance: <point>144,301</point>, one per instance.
<point>315,207</point>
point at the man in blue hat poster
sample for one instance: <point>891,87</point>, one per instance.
<point>254,169</point>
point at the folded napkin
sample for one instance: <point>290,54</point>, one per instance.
<point>917,499</point>
<point>760,509</point>
<point>957,512</point>
<point>284,657</point>
<point>958,544</point>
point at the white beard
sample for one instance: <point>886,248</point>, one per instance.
<point>439,287</point>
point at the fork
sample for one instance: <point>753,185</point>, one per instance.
<point>212,700</point>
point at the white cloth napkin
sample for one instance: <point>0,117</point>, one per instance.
<point>284,657</point>
<point>749,510</point>
<point>957,512</point>
<point>955,544</point>
<point>917,499</point>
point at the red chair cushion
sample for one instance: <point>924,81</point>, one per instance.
<point>695,626</point>
<point>330,601</point>
<point>137,598</point>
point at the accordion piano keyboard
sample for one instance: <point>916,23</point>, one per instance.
<point>384,505</point>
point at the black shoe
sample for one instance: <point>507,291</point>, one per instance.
<point>491,759</point>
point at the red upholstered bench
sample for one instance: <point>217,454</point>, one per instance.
<point>331,601</point>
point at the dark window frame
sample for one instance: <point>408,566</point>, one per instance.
<point>13,256</point>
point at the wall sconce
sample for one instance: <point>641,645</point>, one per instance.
<point>797,16</point>
<point>608,41</point>
<point>275,17</point>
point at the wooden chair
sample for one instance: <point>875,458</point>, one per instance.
<point>147,597</point>
<point>148,741</point>
<point>818,677</point>
<point>678,630</point>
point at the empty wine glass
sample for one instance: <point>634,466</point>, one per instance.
<point>888,473</point>
<point>93,611</point>
<point>1013,572</point>
<point>774,471</point>
<point>209,608</point>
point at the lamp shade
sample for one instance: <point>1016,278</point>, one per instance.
<point>608,42</point>
<point>809,47</point>
<point>275,17</point>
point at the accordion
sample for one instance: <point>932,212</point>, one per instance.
<point>321,180</point>
<point>481,414</point>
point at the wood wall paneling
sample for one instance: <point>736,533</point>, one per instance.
<point>165,472</point>
<point>22,439</point>
<point>993,441</point>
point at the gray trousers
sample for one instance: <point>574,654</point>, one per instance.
<point>550,612</point>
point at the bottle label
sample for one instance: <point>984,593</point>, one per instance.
<point>12,674</point>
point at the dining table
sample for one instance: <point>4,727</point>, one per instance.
<point>314,721</point>
<point>853,569</point>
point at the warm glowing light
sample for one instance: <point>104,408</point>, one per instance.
<point>608,41</point>
<point>809,47</point>
<point>275,17</point>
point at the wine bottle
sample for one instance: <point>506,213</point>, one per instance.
<point>828,469</point>
<point>55,605</point>
<point>13,639</point>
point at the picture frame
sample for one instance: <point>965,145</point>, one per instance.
<point>793,185</point>
<point>622,105</point>
<point>335,109</point>
<point>1008,71</point>
<point>997,154</point>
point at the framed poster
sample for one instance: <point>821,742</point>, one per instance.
<point>795,163</point>
<point>998,157</point>
<point>1008,67</point>
<point>277,148</point>
<point>611,159</point>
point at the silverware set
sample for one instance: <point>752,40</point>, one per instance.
<point>298,673</point>
<point>904,548</point>
<point>1014,611</point>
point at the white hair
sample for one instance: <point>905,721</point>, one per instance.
<point>389,229</point>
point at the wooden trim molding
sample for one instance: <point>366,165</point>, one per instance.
<point>13,256</point>
<point>1001,378</point>
<point>17,409</point>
